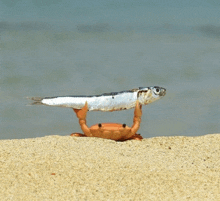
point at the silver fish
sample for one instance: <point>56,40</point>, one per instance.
<point>106,102</point>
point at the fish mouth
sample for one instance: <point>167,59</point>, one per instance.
<point>162,91</point>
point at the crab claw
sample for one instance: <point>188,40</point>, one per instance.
<point>81,113</point>
<point>137,118</point>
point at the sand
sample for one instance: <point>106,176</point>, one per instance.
<point>73,168</point>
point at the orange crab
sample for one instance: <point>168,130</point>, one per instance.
<point>113,131</point>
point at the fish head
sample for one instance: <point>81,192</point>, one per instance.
<point>148,95</point>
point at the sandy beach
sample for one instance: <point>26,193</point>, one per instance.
<point>73,168</point>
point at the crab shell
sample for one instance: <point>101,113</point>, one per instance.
<point>113,131</point>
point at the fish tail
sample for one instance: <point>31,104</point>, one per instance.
<point>36,101</point>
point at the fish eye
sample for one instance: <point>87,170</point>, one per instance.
<point>156,91</point>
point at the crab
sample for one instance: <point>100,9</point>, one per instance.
<point>113,131</point>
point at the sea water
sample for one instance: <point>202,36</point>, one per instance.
<point>58,48</point>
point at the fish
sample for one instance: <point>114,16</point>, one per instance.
<point>113,101</point>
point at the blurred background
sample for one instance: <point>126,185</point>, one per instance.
<point>61,47</point>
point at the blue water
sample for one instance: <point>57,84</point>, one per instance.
<point>53,48</point>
